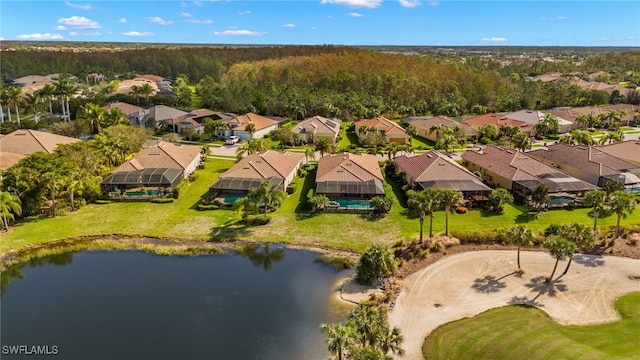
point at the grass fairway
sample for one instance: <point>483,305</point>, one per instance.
<point>521,332</point>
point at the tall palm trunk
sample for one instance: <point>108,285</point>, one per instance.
<point>9,113</point>
<point>431,225</point>
<point>17,114</point>
<point>554,271</point>
<point>64,115</point>
<point>6,223</point>
<point>1,113</point>
<point>50,107</point>
<point>568,264</point>
<point>421,226</point>
<point>68,111</point>
<point>518,257</point>
<point>446,220</point>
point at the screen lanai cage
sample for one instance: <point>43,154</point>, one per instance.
<point>350,189</point>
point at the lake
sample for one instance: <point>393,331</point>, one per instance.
<point>265,304</point>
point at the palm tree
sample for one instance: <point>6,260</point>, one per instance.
<point>250,128</point>
<point>392,149</point>
<point>376,262</point>
<point>586,120</point>
<point>252,146</point>
<point>146,90</point>
<point>390,340</point>
<point>438,129</point>
<point>425,202</point>
<point>559,248</point>
<point>10,206</point>
<point>612,136</point>
<point>267,194</point>
<point>14,97</point>
<point>488,131</point>
<point>597,200</point>
<point>115,116</point>
<point>449,198</point>
<point>93,116</point>
<point>521,236</point>
<point>341,339</point>
<point>309,153</point>
<point>323,146</point>
<point>521,142</point>
<point>412,132</point>
<point>578,234</point>
<point>366,321</point>
<point>33,101</point>
<point>447,143</point>
<point>63,87</point>
<point>135,91</point>
<point>581,137</point>
<point>621,203</point>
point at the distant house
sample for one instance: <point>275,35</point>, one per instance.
<point>24,142</point>
<point>349,176</point>
<point>262,126</point>
<point>626,150</point>
<point>165,155</point>
<point>393,131</point>
<point>317,127</point>
<point>590,164</point>
<point>571,113</point>
<point>521,173</point>
<point>433,170</point>
<point>166,114</point>
<point>272,166</point>
<point>423,125</point>
<point>136,114</point>
<point>533,117</point>
<point>498,120</point>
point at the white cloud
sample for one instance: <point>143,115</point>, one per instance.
<point>196,21</point>
<point>79,6</point>
<point>355,14</point>
<point>493,40</point>
<point>197,3</point>
<point>79,22</point>
<point>60,28</point>
<point>331,17</point>
<point>46,36</point>
<point>138,33</point>
<point>73,33</point>
<point>434,3</point>
<point>238,33</point>
<point>185,14</point>
<point>122,20</point>
<point>369,4</point>
<point>617,38</point>
<point>558,18</point>
<point>1,38</point>
<point>289,25</point>
<point>158,21</point>
<point>246,12</point>
<point>410,3</point>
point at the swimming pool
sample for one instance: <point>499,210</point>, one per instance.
<point>354,204</point>
<point>560,200</point>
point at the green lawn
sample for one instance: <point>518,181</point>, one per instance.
<point>196,101</point>
<point>521,332</point>
<point>420,143</point>
<point>290,224</point>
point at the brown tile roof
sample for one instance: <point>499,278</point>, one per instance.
<point>427,122</point>
<point>348,167</point>
<point>260,122</point>
<point>627,150</point>
<point>152,77</point>
<point>320,125</point>
<point>498,120</point>
<point>126,108</point>
<point>586,158</point>
<point>163,112</point>
<point>8,159</point>
<point>26,142</point>
<point>389,127</point>
<point>265,165</point>
<point>572,113</point>
<point>163,155</point>
<point>432,166</point>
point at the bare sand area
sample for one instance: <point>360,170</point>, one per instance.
<point>466,284</point>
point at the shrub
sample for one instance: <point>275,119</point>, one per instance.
<point>203,207</point>
<point>376,262</point>
<point>201,166</point>
<point>162,200</point>
<point>382,204</point>
<point>257,220</point>
<point>461,210</point>
<point>302,172</point>
<point>291,188</point>
<point>337,262</point>
<point>552,229</point>
<point>436,246</point>
<point>193,177</point>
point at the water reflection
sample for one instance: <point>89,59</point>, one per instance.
<point>14,272</point>
<point>262,255</point>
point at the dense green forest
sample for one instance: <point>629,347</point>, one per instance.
<point>300,81</point>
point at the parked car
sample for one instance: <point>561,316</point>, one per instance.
<point>232,140</point>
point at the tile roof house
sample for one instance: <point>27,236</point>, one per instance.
<point>136,114</point>
<point>24,142</point>
<point>165,155</point>
<point>165,113</point>
<point>626,150</point>
<point>275,167</point>
<point>571,113</point>
<point>533,117</point>
<point>263,125</point>
<point>346,175</point>
<point>434,170</point>
<point>390,129</point>
<point>519,172</point>
<point>424,123</point>
<point>589,164</point>
<point>498,120</point>
<point>317,127</point>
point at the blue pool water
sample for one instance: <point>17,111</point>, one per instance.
<point>231,199</point>
<point>354,204</point>
<point>560,200</point>
<point>633,191</point>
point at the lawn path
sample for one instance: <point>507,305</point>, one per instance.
<point>467,284</point>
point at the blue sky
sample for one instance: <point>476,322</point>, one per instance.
<point>339,22</point>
